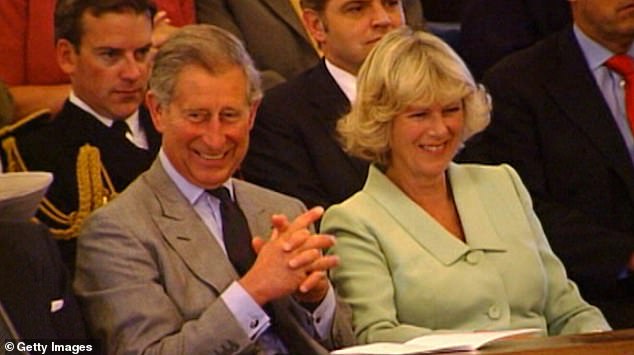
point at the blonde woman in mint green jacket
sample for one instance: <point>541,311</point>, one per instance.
<point>429,245</point>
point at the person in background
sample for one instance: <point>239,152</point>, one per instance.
<point>36,292</point>
<point>560,118</point>
<point>171,266</point>
<point>6,106</point>
<point>28,64</point>
<point>294,149</point>
<point>35,286</point>
<point>493,29</point>
<point>274,33</point>
<point>103,138</point>
<point>424,229</point>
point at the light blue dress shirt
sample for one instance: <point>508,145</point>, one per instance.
<point>610,83</point>
<point>251,317</point>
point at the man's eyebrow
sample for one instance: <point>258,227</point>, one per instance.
<point>106,48</point>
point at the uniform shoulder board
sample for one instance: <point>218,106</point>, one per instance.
<point>35,119</point>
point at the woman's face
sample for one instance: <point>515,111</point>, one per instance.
<point>424,139</point>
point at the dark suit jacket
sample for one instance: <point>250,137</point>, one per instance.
<point>293,146</point>
<point>32,276</point>
<point>492,29</point>
<point>273,33</point>
<point>54,147</point>
<point>150,274</point>
<point>551,123</point>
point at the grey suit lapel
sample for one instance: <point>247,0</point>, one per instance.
<point>258,217</point>
<point>186,233</point>
<point>285,11</point>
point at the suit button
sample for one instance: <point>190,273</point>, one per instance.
<point>474,257</point>
<point>254,323</point>
<point>494,312</point>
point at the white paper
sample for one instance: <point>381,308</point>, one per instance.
<point>379,348</point>
<point>462,341</point>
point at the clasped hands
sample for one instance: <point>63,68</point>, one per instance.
<point>291,262</point>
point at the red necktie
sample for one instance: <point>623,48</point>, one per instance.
<point>624,65</point>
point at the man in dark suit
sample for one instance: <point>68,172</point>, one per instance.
<point>101,140</point>
<point>170,265</point>
<point>294,149</point>
<point>559,118</point>
<point>274,34</point>
<point>493,29</point>
<point>36,292</point>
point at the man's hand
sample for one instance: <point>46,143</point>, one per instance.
<point>162,30</point>
<point>291,261</point>
<point>315,286</point>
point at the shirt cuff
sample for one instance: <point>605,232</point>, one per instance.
<point>320,320</point>
<point>251,317</point>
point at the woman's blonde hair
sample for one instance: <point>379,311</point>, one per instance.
<point>403,68</point>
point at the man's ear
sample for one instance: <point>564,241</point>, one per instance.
<point>156,110</point>
<point>253,110</point>
<point>66,54</point>
<point>315,25</point>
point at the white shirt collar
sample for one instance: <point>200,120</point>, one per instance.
<point>346,81</point>
<point>132,120</point>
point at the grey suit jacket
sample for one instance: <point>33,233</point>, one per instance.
<point>149,274</point>
<point>274,34</point>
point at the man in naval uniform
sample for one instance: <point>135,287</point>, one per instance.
<point>102,139</point>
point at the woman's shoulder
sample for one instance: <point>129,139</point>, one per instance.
<point>484,171</point>
<point>358,209</point>
<point>496,178</point>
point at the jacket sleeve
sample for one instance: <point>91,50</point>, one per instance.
<point>363,266</point>
<point>565,309</point>
<point>119,280</point>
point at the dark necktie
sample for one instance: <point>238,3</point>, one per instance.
<point>235,232</point>
<point>624,65</point>
<point>120,128</point>
<point>237,239</point>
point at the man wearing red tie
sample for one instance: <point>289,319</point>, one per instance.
<point>560,117</point>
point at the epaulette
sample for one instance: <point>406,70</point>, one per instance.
<point>94,186</point>
<point>32,121</point>
<point>94,189</point>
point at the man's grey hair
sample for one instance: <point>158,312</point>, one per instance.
<point>207,46</point>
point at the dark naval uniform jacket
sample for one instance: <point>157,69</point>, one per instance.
<point>90,164</point>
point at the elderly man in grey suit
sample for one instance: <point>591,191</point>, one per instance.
<point>165,267</point>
